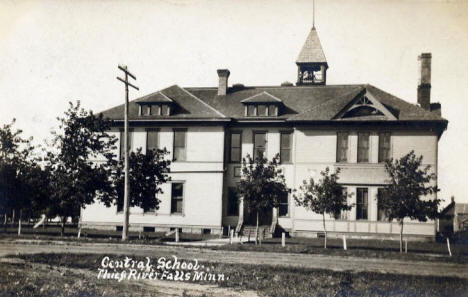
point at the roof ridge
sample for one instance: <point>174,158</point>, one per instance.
<point>203,102</point>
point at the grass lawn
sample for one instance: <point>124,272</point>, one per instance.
<point>373,248</point>
<point>266,280</point>
<point>93,235</point>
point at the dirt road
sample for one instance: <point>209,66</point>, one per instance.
<point>336,263</point>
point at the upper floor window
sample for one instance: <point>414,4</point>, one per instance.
<point>363,147</point>
<point>122,142</point>
<point>285,147</point>
<point>179,149</point>
<point>259,145</point>
<point>177,198</point>
<point>362,203</point>
<point>384,146</point>
<point>236,147</point>
<point>342,147</point>
<point>151,139</point>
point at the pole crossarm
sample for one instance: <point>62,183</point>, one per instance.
<point>125,69</point>
<point>127,83</point>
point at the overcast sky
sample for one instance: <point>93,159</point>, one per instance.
<point>52,52</point>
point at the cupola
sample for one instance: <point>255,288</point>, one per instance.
<point>311,63</point>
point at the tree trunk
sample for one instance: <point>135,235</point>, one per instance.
<point>401,236</point>
<point>325,230</point>
<point>62,229</point>
<point>5,221</point>
<point>240,222</point>
<point>19,222</point>
<point>256,231</point>
<point>13,218</point>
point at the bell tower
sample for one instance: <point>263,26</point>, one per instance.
<point>311,63</point>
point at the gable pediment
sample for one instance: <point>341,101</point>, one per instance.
<point>365,106</point>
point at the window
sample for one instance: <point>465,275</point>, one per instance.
<point>251,110</point>
<point>343,215</point>
<point>381,214</point>
<point>384,146</point>
<point>149,229</point>
<point>151,139</point>
<point>236,147</point>
<point>285,147</point>
<point>361,203</point>
<point>179,145</point>
<point>363,147</point>
<point>177,198</point>
<point>237,171</point>
<point>342,147</point>
<point>259,144</point>
<point>122,142</point>
<point>262,110</point>
<point>272,110</point>
<point>283,209</point>
<point>145,109</point>
<point>155,109</point>
<point>165,109</point>
<point>233,202</point>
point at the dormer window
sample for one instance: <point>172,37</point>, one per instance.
<point>261,110</point>
<point>156,104</point>
<point>155,109</point>
<point>262,105</point>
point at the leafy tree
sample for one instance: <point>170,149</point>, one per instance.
<point>147,172</point>
<point>408,183</point>
<point>16,159</point>
<point>324,196</point>
<point>262,185</point>
<point>39,191</point>
<point>77,177</point>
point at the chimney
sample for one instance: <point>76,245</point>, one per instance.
<point>424,87</point>
<point>223,75</point>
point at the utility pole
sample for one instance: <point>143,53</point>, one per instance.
<point>127,183</point>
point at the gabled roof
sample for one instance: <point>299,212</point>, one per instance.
<point>157,97</point>
<point>263,97</point>
<point>312,51</point>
